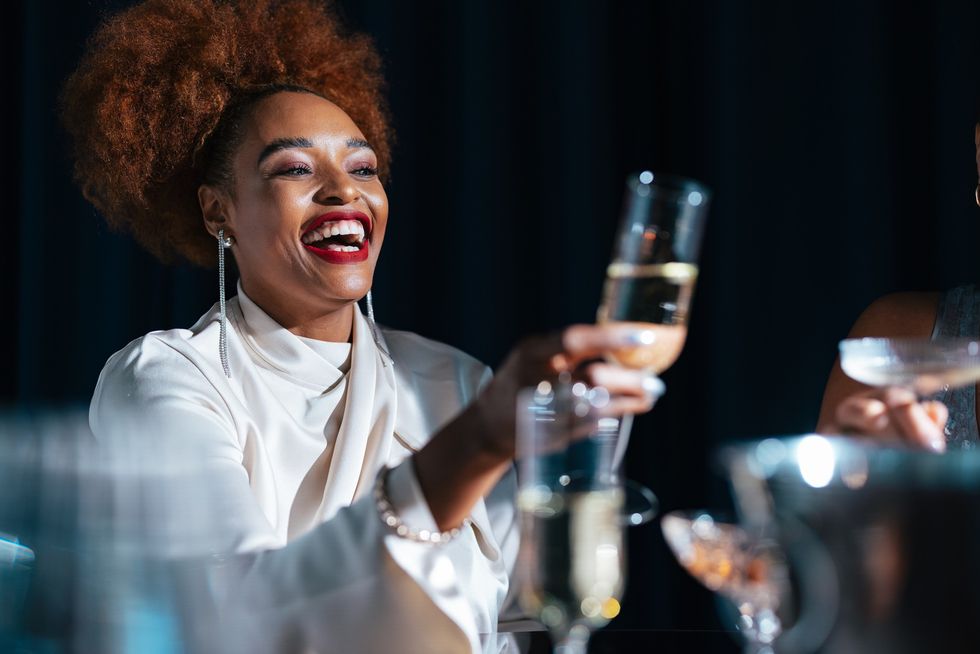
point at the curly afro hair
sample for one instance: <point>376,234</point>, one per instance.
<point>157,103</point>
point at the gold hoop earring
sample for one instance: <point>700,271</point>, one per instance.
<point>976,194</point>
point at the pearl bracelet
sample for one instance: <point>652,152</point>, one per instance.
<point>393,521</point>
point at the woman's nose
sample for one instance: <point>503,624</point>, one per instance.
<point>336,187</point>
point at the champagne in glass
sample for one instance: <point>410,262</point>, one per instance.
<point>573,555</point>
<point>574,508</point>
<point>650,282</point>
<point>656,297</point>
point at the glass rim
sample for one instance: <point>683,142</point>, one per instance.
<point>667,182</point>
<point>849,464</point>
<point>867,346</point>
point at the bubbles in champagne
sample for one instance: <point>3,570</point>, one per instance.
<point>572,560</point>
<point>656,297</point>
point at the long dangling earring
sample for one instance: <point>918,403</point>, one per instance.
<point>374,330</point>
<point>224,242</point>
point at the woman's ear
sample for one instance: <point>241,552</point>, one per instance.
<point>215,208</point>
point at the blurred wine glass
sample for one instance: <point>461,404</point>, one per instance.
<point>574,510</point>
<point>746,568</point>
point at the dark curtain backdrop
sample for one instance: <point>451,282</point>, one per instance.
<point>838,137</point>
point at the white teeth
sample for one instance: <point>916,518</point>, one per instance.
<point>333,247</point>
<point>337,228</point>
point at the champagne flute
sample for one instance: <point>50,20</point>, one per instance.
<point>574,510</point>
<point>650,281</point>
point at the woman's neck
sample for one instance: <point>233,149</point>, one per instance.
<point>333,324</point>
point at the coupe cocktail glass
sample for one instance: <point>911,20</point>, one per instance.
<point>743,566</point>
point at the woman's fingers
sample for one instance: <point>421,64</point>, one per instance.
<point>631,391</point>
<point>863,415</point>
<point>895,412</point>
<point>565,350</point>
<point>914,422</point>
<point>937,412</point>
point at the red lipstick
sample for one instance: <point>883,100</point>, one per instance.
<point>337,256</point>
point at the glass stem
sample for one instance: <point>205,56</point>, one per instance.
<point>575,642</point>
<point>759,630</point>
<point>625,426</point>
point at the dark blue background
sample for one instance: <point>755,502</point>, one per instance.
<point>837,135</point>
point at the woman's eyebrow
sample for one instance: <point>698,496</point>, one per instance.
<point>358,143</point>
<point>302,142</point>
<point>283,144</point>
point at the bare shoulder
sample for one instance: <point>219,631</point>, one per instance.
<point>898,315</point>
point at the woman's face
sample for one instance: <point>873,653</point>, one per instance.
<point>308,212</point>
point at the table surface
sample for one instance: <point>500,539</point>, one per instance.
<point>624,641</point>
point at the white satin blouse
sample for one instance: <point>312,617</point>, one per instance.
<point>289,447</point>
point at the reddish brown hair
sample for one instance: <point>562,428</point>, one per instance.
<point>155,106</point>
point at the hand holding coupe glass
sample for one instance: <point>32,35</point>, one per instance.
<point>905,374</point>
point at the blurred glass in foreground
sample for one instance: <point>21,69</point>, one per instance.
<point>82,539</point>
<point>881,542</point>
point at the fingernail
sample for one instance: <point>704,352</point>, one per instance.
<point>642,337</point>
<point>895,396</point>
<point>654,386</point>
<point>938,443</point>
<point>880,422</point>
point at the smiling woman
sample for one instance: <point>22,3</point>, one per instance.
<point>304,161</point>
<point>361,477</point>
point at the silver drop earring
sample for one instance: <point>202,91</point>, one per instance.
<point>374,330</point>
<point>224,242</point>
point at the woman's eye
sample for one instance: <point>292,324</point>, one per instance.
<point>364,171</point>
<point>295,170</point>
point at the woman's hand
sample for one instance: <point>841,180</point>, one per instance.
<point>574,350</point>
<point>851,407</point>
<point>469,455</point>
<point>892,413</point>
